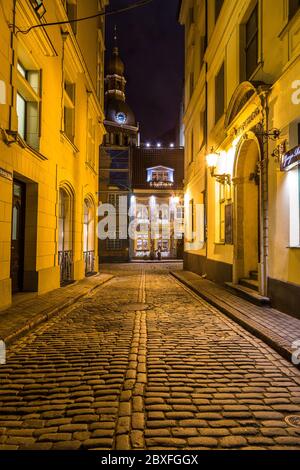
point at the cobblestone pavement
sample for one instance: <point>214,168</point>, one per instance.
<point>107,374</point>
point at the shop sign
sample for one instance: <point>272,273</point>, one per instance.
<point>290,159</point>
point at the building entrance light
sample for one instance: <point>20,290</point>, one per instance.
<point>212,162</point>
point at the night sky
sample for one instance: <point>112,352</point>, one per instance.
<point>151,44</point>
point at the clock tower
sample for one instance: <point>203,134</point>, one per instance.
<point>122,136</point>
<point>122,129</point>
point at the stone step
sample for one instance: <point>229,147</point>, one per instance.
<point>248,294</point>
<point>250,283</point>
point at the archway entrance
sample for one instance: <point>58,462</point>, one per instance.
<point>65,236</point>
<point>89,237</point>
<point>247,216</point>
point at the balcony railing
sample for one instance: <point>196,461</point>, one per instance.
<point>89,262</point>
<point>65,261</point>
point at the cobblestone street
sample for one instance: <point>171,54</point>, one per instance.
<point>142,363</point>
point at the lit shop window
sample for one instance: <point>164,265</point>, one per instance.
<point>294,188</point>
<point>28,105</point>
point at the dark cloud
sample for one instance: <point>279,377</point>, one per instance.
<point>151,45</point>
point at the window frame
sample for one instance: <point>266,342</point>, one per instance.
<point>249,43</point>
<point>219,113</point>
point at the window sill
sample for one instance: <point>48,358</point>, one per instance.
<point>296,247</point>
<point>67,139</point>
<point>219,243</point>
<point>90,167</point>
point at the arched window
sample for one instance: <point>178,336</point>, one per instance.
<point>65,236</point>
<point>89,237</point>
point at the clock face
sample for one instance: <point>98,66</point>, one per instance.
<point>121,118</point>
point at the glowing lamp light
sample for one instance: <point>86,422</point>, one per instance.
<point>212,159</point>
<point>148,144</point>
<point>158,144</point>
<point>172,146</point>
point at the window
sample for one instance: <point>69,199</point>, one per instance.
<point>71,9</point>
<point>218,8</point>
<point>28,105</point>
<point>222,203</point>
<point>69,111</point>
<point>202,133</point>
<point>39,7</point>
<point>220,94</point>
<point>191,84</point>
<point>191,16</point>
<point>192,146</point>
<point>91,143</point>
<point>251,48</point>
<point>294,6</point>
<point>225,197</point>
<point>21,112</point>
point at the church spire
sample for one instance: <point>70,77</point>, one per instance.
<point>115,80</point>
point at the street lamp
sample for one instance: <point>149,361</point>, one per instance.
<point>212,161</point>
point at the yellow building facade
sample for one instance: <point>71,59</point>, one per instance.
<point>242,140</point>
<point>51,119</point>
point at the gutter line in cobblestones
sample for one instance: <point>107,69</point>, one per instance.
<point>131,418</point>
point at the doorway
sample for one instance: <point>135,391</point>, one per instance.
<point>247,216</point>
<point>18,236</point>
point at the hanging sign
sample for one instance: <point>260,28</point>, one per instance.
<point>290,159</point>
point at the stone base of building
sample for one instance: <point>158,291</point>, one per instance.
<point>214,270</point>
<point>5,293</point>
<point>284,296</point>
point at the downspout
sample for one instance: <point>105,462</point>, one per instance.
<point>206,135</point>
<point>264,199</point>
<point>12,66</point>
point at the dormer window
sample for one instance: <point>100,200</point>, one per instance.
<point>160,176</point>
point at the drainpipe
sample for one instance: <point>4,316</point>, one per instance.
<point>12,66</point>
<point>264,200</point>
<point>206,134</point>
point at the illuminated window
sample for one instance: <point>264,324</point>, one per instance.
<point>69,110</point>
<point>28,105</point>
<point>21,112</point>
<point>222,203</point>
<point>220,93</point>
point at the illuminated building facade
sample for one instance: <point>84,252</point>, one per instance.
<point>157,203</point>
<point>51,117</point>
<point>242,138</point>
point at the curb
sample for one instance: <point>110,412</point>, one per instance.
<point>50,313</point>
<point>267,336</point>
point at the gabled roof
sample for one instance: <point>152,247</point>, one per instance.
<point>160,168</point>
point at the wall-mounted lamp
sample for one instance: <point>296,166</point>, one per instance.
<point>212,161</point>
<point>273,134</point>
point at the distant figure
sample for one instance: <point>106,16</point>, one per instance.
<point>159,253</point>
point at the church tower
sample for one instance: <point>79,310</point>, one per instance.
<point>122,135</point>
<point>120,123</point>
